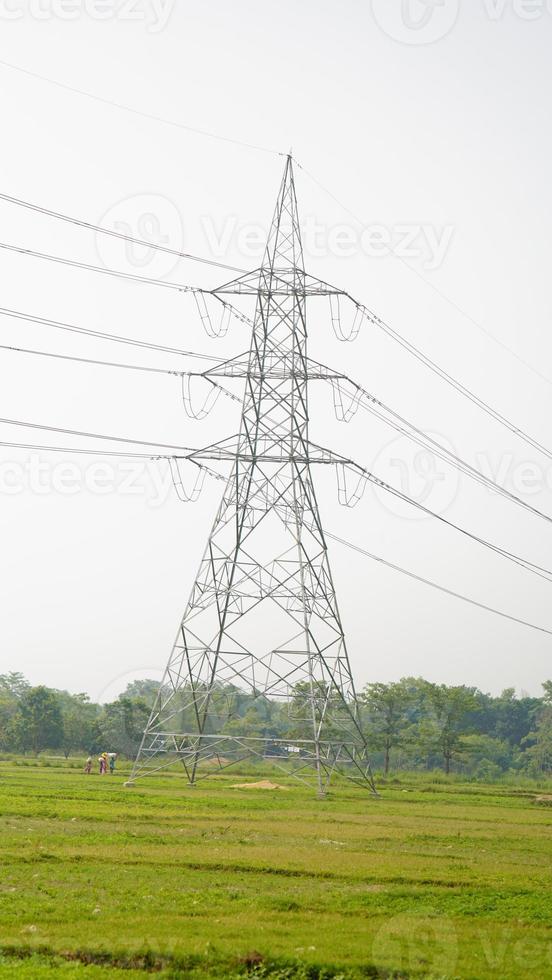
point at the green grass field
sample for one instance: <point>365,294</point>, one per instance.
<point>438,879</point>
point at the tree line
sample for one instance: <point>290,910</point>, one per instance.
<point>37,719</point>
<point>410,724</point>
<point>413,724</point>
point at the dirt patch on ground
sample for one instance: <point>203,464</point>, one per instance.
<point>543,800</point>
<point>262,784</point>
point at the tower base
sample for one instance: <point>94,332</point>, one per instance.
<point>307,761</point>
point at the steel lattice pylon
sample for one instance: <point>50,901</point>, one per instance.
<point>245,586</point>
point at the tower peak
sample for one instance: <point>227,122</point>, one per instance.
<point>284,250</point>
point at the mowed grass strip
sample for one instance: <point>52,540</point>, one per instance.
<point>430,880</point>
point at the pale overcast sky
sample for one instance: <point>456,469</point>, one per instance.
<point>431,124</point>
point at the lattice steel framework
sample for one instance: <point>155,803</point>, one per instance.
<point>246,587</point>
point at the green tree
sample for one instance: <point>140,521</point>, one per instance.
<point>13,684</point>
<point>12,688</point>
<point>386,716</point>
<point>487,754</point>
<point>512,718</point>
<point>450,709</point>
<point>79,723</point>
<point>314,706</point>
<point>538,754</point>
<point>38,724</point>
<point>146,689</point>
<point>121,724</point>
<point>547,696</point>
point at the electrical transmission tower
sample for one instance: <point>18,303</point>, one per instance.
<point>262,624</point>
<point>263,617</point>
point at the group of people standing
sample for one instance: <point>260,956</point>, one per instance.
<point>106,761</point>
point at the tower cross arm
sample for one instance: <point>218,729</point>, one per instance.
<point>230,450</point>
<point>278,366</point>
<point>318,454</point>
<point>280,282</point>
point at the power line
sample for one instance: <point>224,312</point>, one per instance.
<point>373,317</point>
<point>457,385</point>
<point>139,112</point>
<point>423,441</point>
<point>90,360</point>
<point>72,328</point>
<point>180,450</point>
<point>263,149</point>
<point>406,428</point>
<point>328,534</point>
<point>435,585</point>
<point>445,376</point>
<point>436,290</point>
<point>415,434</point>
<point>333,459</point>
<point>94,361</point>
<point>118,364</point>
<point>538,570</point>
<point>128,276</point>
<point>116,234</point>
<point>119,455</point>
<point>184,452</point>
<point>102,269</point>
<point>510,556</point>
<point>79,452</point>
